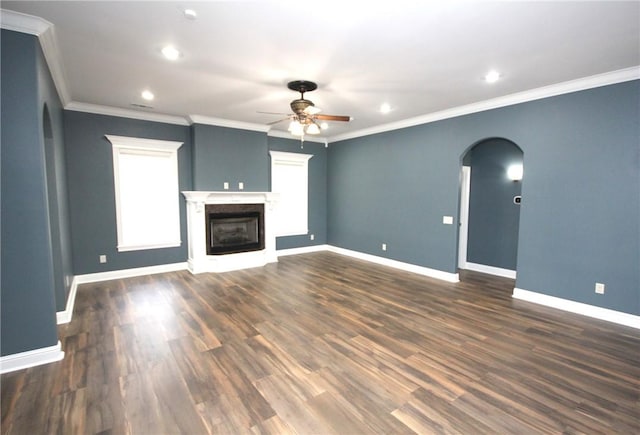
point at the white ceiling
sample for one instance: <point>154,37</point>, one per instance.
<point>421,57</point>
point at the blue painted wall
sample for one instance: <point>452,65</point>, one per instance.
<point>394,188</point>
<point>317,191</point>
<point>27,294</point>
<point>493,216</point>
<point>58,201</point>
<point>579,223</point>
<point>226,154</point>
<point>91,190</point>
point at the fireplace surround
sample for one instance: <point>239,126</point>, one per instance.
<point>230,230</point>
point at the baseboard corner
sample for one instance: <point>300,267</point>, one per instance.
<point>31,358</point>
<point>65,316</point>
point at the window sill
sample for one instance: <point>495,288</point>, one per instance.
<point>126,248</point>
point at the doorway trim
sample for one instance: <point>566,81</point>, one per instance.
<point>463,221</point>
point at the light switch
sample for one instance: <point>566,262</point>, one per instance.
<point>447,220</point>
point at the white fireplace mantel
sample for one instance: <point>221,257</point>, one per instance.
<point>199,261</point>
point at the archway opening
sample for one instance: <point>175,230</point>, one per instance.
<point>490,207</point>
<point>51,175</point>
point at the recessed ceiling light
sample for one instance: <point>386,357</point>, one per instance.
<point>190,14</point>
<point>170,52</point>
<point>147,95</point>
<point>492,76</point>
<point>385,108</point>
<point>324,126</point>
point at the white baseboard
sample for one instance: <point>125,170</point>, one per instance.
<point>421,270</point>
<point>302,250</point>
<point>578,308</point>
<point>31,358</point>
<point>128,273</point>
<point>65,316</point>
<point>491,270</point>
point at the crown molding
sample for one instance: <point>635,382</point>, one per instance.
<point>18,22</point>
<point>125,113</point>
<point>49,45</point>
<point>219,122</point>
<point>595,81</point>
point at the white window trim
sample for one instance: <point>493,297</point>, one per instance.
<point>300,160</point>
<point>122,144</point>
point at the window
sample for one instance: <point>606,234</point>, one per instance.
<point>289,178</point>
<point>145,174</point>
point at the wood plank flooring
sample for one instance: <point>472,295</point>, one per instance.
<point>318,344</point>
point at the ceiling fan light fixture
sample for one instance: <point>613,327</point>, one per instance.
<point>306,118</point>
<point>313,128</point>
<point>295,128</point>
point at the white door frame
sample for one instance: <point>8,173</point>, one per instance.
<point>463,221</point>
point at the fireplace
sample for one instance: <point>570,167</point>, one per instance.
<point>230,230</point>
<point>234,228</point>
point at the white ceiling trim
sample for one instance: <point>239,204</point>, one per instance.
<point>125,113</point>
<point>23,23</point>
<point>52,55</point>
<point>613,77</point>
<point>207,120</point>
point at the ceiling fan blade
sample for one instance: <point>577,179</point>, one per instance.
<point>332,118</point>
<point>278,121</point>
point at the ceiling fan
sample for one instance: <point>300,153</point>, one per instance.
<point>305,114</point>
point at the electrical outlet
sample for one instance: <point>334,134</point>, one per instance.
<point>226,185</point>
<point>103,259</point>
<point>384,246</point>
<point>599,288</point>
<point>241,185</point>
<point>312,237</point>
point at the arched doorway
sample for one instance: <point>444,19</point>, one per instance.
<point>51,175</point>
<point>490,207</point>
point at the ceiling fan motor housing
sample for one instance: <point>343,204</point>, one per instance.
<point>298,106</point>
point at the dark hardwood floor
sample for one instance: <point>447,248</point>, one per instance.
<point>321,343</point>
